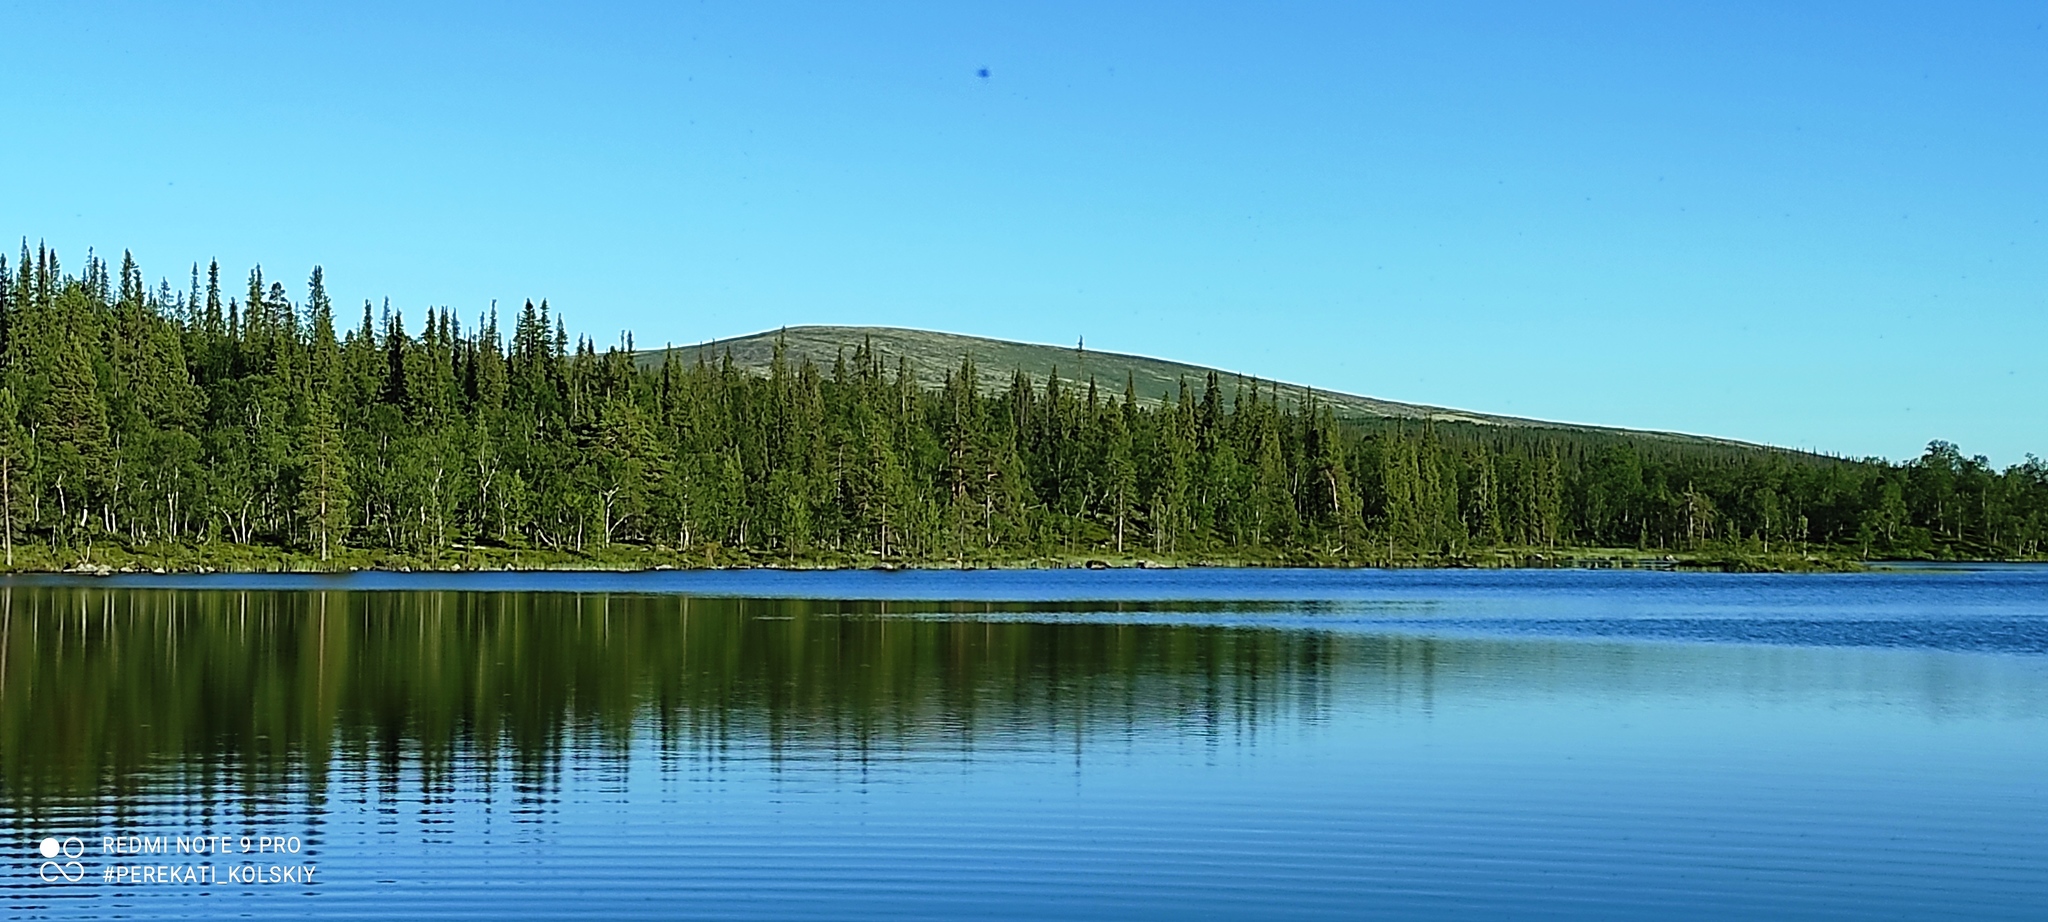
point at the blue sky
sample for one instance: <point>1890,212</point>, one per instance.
<point>1814,225</point>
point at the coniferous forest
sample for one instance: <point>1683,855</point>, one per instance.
<point>196,426</point>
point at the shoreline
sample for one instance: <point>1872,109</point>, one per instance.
<point>244,559</point>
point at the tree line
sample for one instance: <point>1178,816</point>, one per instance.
<point>148,417</point>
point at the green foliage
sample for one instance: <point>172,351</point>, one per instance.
<point>179,425</point>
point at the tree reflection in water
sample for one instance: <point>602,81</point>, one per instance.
<point>105,690</point>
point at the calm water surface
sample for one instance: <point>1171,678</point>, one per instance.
<point>1125,744</point>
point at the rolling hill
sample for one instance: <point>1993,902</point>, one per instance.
<point>932,355</point>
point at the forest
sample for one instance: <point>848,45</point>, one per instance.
<point>190,426</point>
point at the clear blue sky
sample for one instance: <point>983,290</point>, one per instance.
<point>1808,225</point>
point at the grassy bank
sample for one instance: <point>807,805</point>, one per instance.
<point>237,558</point>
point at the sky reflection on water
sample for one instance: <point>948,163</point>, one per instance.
<point>1306,745</point>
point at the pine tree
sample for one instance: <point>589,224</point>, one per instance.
<point>1120,473</point>
<point>71,410</point>
<point>154,416</point>
<point>1273,516</point>
<point>13,453</point>
<point>324,500</point>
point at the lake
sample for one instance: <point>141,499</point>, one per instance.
<point>1220,744</point>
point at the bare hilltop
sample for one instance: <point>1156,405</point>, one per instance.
<point>932,355</point>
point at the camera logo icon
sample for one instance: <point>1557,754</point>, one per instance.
<point>71,870</point>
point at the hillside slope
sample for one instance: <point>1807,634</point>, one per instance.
<point>932,355</point>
